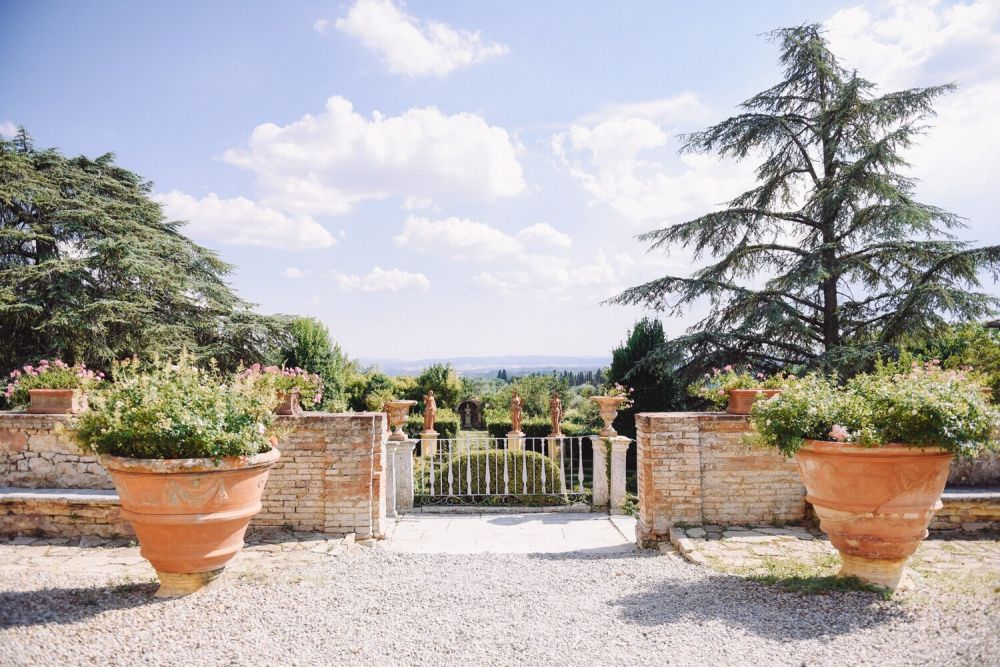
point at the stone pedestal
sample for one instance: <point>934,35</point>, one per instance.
<point>391,448</point>
<point>554,443</point>
<point>428,443</point>
<point>619,450</point>
<point>404,475</point>
<point>600,446</point>
<point>515,441</point>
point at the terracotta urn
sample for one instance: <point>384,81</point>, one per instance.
<point>190,515</point>
<point>741,400</point>
<point>608,406</point>
<point>288,403</point>
<point>57,401</point>
<point>398,411</point>
<point>874,503</point>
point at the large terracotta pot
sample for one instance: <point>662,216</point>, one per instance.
<point>57,401</point>
<point>741,400</point>
<point>874,503</point>
<point>190,515</point>
<point>608,406</point>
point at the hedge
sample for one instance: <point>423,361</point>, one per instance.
<point>535,428</point>
<point>446,424</point>
<point>477,462</point>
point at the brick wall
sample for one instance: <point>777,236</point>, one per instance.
<point>330,478</point>
<point>694,468</point>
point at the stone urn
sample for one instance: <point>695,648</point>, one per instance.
<point>189,515</point>
<point>741,400</point>
<point>398,411</point>
<point>874,503</point>
<point>289,403</point>
<point>608,406</point>
<point>57,401</point>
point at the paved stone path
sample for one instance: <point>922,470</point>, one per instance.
<point>543,532</point>
<point>967,563</point>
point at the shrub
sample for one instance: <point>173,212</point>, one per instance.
<point>287,380</point>
<point>175,411</point>
<point>524,474</point>
<point>56,375</point>
<point>445,423</point>
<point>923,408</point>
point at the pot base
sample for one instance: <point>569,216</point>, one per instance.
<point>888,574</point>
<point>177,584</point>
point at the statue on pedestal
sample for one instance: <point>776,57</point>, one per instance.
<point>516,406</point>
<point>556,413</point>
<point>430,410</point>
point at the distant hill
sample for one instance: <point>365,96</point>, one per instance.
<point>489,366</point>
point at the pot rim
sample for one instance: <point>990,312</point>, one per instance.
<point>167,466</point>
<point>56,391</point>
<point>757,390</point>
<point>854,449</point>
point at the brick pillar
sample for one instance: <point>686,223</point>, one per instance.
<point>669,461</point>
<point>600,445</point>
<point>619,449</point>
<point>404,475</point>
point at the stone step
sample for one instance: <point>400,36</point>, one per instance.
<point>61,513</point>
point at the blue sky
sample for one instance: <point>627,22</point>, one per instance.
<point>442,178</point>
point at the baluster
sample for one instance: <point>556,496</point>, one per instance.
<point>451,459</point>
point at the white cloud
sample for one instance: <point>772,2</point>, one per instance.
<point>545,234</point>
<point>8,129</point>
<point>239,221</point>
<point>292,272</point>
<point>320,26</point>
<point>330,162</point>
<point>411,46</point>
<point>546,274</point>
<point>457,238</point>
<point>629,162</point>
<point>382,280</point>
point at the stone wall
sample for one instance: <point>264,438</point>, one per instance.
<point>694,468</point>
<point>968,511</point>
<point>330,478</point>
<point>35,454</point>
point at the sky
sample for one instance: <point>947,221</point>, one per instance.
<point>436,178</point>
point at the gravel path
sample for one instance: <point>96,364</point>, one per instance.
<point>369,606</point>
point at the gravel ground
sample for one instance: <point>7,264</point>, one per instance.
<point>369,606</point>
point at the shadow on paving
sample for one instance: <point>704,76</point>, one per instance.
<point>69,605</point>
<point>766,611</point>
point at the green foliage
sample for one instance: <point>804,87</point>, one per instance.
<point>309,386</point>
<point>964,346</point>
<point>474,465</point>
<point>713,387</point>
<point>55,375</point>
<point>443,381</point>
<point>651,377</point>
<point>925,407</point>
<point>91,271</point>
<point>311,348</point>
<point>534,390</point>
<point>369,391</point>
<point>446,423</point>
<point>167,410</point>
<point>829,261</point>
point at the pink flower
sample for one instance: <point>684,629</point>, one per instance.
<point>43,362</point>
<point>722,392</point>
<point>727,367</point>
<point>317,398</point>
<point>840,433</point>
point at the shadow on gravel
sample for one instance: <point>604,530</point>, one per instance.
<point>765,611</point>
<point>616,552</point>
<point>69,605</point>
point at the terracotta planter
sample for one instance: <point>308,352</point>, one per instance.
<point>874,503</point>
<point>608,405</point>
<point>288,403</point>
<point>57,401</point>
<point>398,411</point>
<point>190,515</point>
<point>741,400</point>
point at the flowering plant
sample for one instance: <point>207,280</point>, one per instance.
<point>287,380</point>
<point>55,375</point>
<point>714,386</point>
<point>175,410</point>
<point>921,408</point>
<point>618,389</point>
